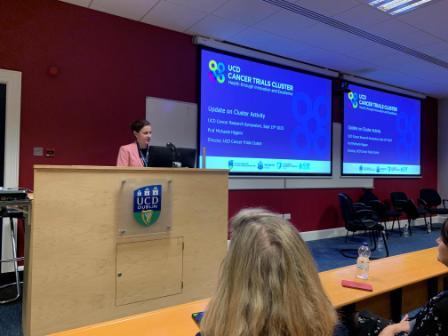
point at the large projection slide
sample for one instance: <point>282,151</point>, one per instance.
<point>257,118</point>
<point>381,133</point>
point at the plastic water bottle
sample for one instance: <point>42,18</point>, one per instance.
<point>362,263</point>
<point>379,244</point>
<point>428,228</point>
<point>405,230</point>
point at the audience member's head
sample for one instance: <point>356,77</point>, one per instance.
<point>442,242</point>
<point>268,283</point>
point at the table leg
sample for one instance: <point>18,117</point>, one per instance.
<point>432,287</point>
<point>396,302</point>
<point>346,316</point>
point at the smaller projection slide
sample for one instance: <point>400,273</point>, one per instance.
<point>381,133</point>
<point>258,118</point>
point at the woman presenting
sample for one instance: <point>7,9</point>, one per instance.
<point>136,154</point>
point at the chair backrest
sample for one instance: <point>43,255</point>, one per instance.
<point>410,210</point>
<point>356,218</point>
<point>368,196</point>
<point>397,198</point>
<point>371,200</point>
<point>346,205</point>
<point>431,197</point>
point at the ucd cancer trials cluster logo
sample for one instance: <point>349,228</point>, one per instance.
<point>354,99</point>
<point>147,204</point>
<point>217,71</point>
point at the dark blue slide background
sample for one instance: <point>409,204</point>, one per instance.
<point>403,128</point>
<point>296,124</point>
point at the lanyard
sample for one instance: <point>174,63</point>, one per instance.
<point>144,158</point>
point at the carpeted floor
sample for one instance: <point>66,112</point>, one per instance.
<point>11,319</point>
<point>327,254</point>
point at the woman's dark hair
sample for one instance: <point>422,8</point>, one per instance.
<point>137,125</point>
<point>444,232</point>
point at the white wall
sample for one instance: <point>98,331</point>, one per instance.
<point>442,166</point>
<point>13,81</point>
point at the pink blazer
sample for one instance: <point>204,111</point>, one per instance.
<point>128,156</point>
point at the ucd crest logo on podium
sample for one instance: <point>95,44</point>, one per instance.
<point>147,204</point>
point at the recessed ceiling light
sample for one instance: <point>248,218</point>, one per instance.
<point>394,7</point>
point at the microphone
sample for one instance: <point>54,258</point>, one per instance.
<point>175,160</point>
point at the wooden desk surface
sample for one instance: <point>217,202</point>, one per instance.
<point>172,321</point>
<point>385,275</point>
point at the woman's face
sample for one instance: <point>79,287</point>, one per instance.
<point>442,243</point>
<point>143,137</point>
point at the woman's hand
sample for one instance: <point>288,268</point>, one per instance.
<point>396,328</point>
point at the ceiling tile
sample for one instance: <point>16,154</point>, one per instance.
<point>332,39</point>
<point>263,26</point>
<point>264,41</point>
<point>83,3</point>
<point>362,16</point>
<point>202,5</point>
<point>285,23</point>
<point>436,77</point>
<point>391,77</point>
<point>331,60</point>
<point>436,50</point>
<point>172,16</point>
<point>383,57</point>
<point>328,8</point>
<point>216,27</point>
<point>431,18</point>
<point>425,71</point>
<point>436,90</point>
<point>130,9</point>
<point>412,65</point>
<point>305,54</point>
<point>308,56</point>
<point>373,51</point>
<point>246,12</point>
<point>344,63</point>
<point>403,34</point>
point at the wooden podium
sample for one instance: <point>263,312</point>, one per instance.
<point>88,260</point>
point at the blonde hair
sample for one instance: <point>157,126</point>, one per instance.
<point>268,283</point>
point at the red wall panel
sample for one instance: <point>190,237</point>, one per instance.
<point>107,66</point>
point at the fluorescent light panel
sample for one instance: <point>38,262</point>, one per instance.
<point>409,7</point>
<point>394,7</point>
<point>392,4</point>
<point>375,2</point>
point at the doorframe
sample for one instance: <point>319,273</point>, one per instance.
<point>13,81</point>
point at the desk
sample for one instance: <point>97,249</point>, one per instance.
<point>401,283</point>
<point>403,274</point>
<point>23,205</point>
<point>13,205</point>
<point>172,321</point>
<point>88,259</point>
